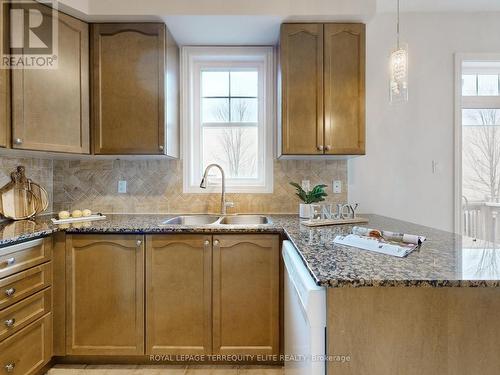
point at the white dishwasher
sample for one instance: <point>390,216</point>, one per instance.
<point>305,317</point>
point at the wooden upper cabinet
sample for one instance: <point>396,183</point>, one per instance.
<point>104,294</point>
<point>301,59</point>
<point>178,294</point>
<point>246,294</point>
<point>4,108</point>
<point>131,87</point>
<point>322,73</point>
<point>50,107</point>
<point>344,59</point>
<point>4,95</point>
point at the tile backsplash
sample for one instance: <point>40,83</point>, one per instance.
<point>155,186</point>
<point>39,170</point>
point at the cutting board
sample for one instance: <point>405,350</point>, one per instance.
<point>325,222</point>
<point>78,219</point>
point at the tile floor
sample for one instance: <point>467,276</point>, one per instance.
<point>163,370</point>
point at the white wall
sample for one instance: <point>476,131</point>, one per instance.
<point>395,178</point>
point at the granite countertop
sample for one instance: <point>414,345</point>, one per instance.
<point>443,260</point>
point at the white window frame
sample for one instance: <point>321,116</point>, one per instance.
<point>466,102</point>
<point>194,60</point>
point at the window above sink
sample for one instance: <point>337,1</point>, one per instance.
<point>228,115</point>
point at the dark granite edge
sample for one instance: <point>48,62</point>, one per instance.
<point>160,230</point>
<point>345,283</point>
<point>28,236</point>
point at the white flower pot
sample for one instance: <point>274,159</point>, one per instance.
<point>305,211</point>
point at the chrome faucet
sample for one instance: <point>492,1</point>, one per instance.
<point>203,185</point>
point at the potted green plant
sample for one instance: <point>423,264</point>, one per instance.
<point>317,194</point>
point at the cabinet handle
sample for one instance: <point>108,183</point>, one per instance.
<point>139,243</point>
<point>161,148</point>
<point>328,148</point>
<point>10,367</point>
<point>320,148</point>
<point>10,322</point>
<point>10,292</point>
<point>206,243</point>
<point>18,141</point>
<point>10,261</point>
<point>216,242</point>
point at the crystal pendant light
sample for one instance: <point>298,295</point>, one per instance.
<point>399,71</point>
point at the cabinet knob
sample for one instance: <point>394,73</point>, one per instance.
<point>10,292</point>
<point>10,367</point>
<point>216,242</point>
<point>138,243</point>
<point>18,141</point>
<point>10,261</point>
<point>320,148</point>
<point>10,322</point>
<point>206,243</point>
<point>161,148</point>
<point>328,148</point>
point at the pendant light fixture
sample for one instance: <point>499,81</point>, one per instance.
<point>399,70</point>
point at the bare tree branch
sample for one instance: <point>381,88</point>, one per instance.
<point>482,154</point>
<point>237,151</point>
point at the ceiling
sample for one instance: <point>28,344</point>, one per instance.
<point>251,22</point>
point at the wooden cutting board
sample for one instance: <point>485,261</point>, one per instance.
<point>18,203</point>
<point>325,222</point>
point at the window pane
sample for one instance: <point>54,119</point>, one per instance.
<point>476,117</point>
<point>469,85</point>
<point>487,84</point>
<point>215,110</point>
<point>234,148</point>
<point>480,167</point>
<point>244,83</point>
<point>215,84</point>
<point>244,110</point>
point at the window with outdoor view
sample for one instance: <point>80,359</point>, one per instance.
<point>229,115</point>
<point>480,112</point>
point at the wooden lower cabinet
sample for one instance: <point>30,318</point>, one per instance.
<point>29,350</point>
<point>178,294</point>
<point>172,294</point>
<point>22,256</point>
<point>246,294</point>
<point>104,294</point>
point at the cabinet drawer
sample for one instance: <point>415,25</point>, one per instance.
<point>28,350</point>
<point>25,255</point>
<point>19,315</point>
<point>23,284</point>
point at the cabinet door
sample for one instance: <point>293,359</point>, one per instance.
<point>128,88</point>
<point>104,294</point>
<point>51,106</point>
<point>4,108</point>
<point>344,89</point>
<point>178,294</point>
<point>4,92</point>
<point>246,294</point>
<point>301,61</point>
<point>29,350</point>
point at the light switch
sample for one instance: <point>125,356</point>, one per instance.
<point>122,187</point>
<point>337,187</point>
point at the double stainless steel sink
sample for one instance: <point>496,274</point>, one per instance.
<point>194,220</point>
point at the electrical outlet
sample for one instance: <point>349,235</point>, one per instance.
<point>337,187</point>
<point>122,187</point>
